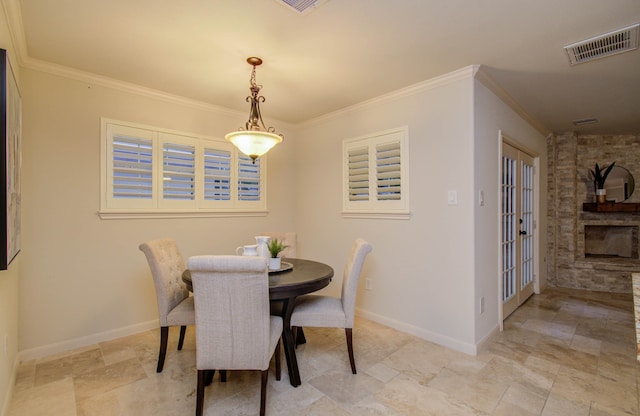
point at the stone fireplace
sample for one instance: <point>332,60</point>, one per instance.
<point>588,249</point>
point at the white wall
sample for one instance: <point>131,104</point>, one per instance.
<point>492,116</point>
<point>83,279</point>
<point>422,269</point>
<point>9,279</point>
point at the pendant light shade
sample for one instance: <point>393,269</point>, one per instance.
<point>253,143</point>
<point>256,139</point>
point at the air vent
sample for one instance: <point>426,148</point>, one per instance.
<point>584,121</point>
<point>302,6</point>
<point>612,43</point>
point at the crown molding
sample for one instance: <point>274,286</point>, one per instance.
<point>460,74</point>
<point>94,79</point>
<point>486,80</point>
<point>16,31</point>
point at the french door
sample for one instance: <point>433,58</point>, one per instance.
<point>517,228</point>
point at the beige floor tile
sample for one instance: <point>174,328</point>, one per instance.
<point>53,398</point>
<point>523,399</point>
<point>564,352</point>
<point>557,405</point>
<point>107,378</point>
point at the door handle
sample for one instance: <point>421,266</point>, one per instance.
<point>522,232</point>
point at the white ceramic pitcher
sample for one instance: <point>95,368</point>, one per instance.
<point>251,250</point>
<point>263,250</point>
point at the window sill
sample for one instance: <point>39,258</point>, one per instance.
<point>123,215</point>
<point>377,215</point>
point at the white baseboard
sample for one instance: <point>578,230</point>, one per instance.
<point>58,347</point>
<point>445,341</point>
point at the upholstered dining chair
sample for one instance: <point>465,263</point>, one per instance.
<point>234,329</point>
<point>175,306</point>
<point>290,239</point>
<point>327,311</point>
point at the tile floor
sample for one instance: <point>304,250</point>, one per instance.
<point>564,352</point>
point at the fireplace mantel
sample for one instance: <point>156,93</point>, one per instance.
<point>631,207</point>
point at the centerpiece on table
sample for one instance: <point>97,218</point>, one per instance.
<point>275,247</point>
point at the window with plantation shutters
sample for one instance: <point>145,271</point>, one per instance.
<point>248,179</point>
<point>151,172</point>
<point>388,171</point>
<point>132,167</point>
<point>217,175</point>
<point>178,171</point>
<point>358,174</point>
<point>375,175</point>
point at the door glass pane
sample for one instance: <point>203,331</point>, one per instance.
<point>508,228</point>
<point>527,224</point>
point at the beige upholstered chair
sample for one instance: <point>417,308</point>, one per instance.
<point>327,311</point>
<point>290,239</point>
<point>234,328</point>
<point>175,306</point>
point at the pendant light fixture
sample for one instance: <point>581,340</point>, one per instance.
<point>256,139</point>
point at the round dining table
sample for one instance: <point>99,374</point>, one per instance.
<point>296,277</point>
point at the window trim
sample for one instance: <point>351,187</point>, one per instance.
<point>155,207</point>
<point>373,207</point>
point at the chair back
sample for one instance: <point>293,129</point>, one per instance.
<point>350,278</point>
<point>289,239</point>
<point>167,265</point>
<point>232,312</point>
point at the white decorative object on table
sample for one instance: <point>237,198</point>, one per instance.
<point>274,248</point>
<point>263,241</point>
<point>250,250</point>
<point>274,263</point>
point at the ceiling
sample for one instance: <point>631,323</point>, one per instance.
<point>343,52</point>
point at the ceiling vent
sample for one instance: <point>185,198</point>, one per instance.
<point>584,121</point>
<point>612,43</point>
<point>302,6</point>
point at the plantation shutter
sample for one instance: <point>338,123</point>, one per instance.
<point>358,174</point>
<point>248,179</point>
<point>388,171</point>
<point>132,167</point>
<point>178,173</point>
<point>151,172</point>
<point>375,172</point>
<point>217,175</point>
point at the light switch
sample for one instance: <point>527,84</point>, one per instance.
<point>481,198</point>
<point>452,197</point>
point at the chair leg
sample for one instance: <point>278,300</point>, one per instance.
<point>200,392</point>
<point>294,331</point>
<point>263,392</point>
<point>278,362</point>
<point>164,336</point>
<point>183,329</point>
<point>348,332</point>
<point>223,376</point>
<point>208,376</point>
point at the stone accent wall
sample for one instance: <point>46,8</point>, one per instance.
<point>569,186</point>
<point>636,310</point>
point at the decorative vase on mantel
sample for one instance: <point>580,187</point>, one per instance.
<point>599,176</point>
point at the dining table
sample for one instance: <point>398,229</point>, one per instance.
<point>294,278</point>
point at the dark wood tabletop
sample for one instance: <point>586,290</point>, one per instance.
<point>306,276</point>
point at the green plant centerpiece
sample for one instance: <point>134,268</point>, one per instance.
<point>275,247</point>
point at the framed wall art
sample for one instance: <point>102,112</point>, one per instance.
<point>10,162</point>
